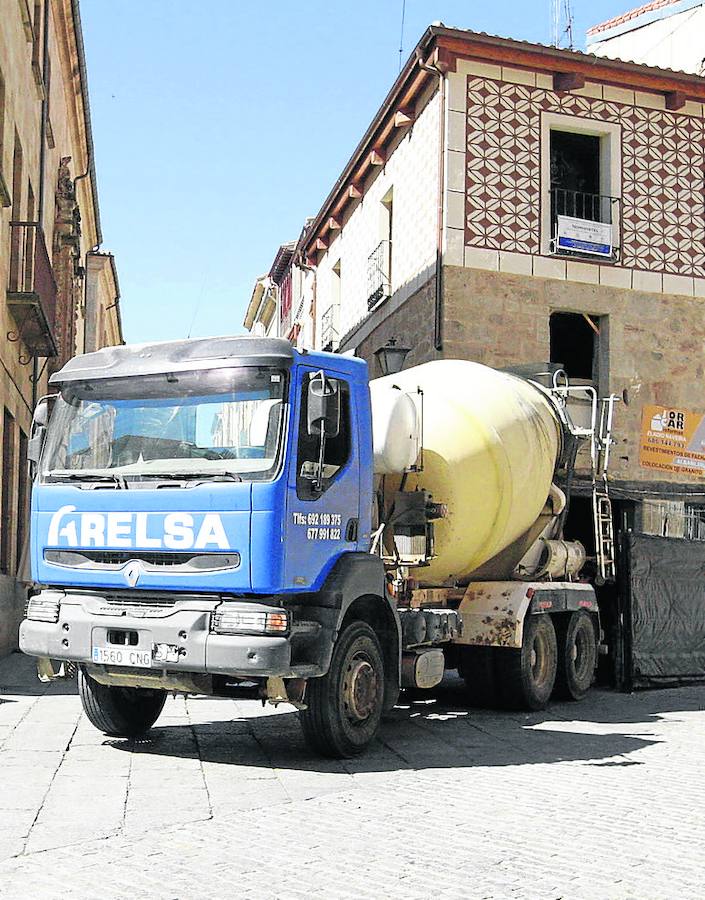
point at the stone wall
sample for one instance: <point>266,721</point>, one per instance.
<point>411,324</point>
<point>655,352</point>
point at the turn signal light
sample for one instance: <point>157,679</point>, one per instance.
<point>43,608</point>
<point>243,621</point>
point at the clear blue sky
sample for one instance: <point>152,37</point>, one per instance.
<point>219,125</point>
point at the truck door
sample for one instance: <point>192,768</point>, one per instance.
<point>323,508</point>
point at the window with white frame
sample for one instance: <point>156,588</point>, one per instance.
<point>581,187</point>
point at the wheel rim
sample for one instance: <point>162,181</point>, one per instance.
<point>540,659</point>
<point>580,654</point>
<point>360,689</point>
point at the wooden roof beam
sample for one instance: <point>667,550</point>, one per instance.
<point>404,117</point>
<point>377,157</point>
<point>675,99</point>
<point>568,81</point>
<point>545,59</point>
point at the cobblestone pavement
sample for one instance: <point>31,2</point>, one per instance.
<point>600,799</point>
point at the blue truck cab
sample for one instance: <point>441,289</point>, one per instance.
<point>201,519</point>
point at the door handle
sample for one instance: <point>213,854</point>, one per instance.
<point>351,530</point>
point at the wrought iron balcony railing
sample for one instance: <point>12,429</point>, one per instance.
<point>379,268</point>
<point>592,230</point>
<point>329,327</point>
<point>31,290</point>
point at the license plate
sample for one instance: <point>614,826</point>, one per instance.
<point>122,656</point>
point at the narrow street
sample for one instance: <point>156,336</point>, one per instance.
<point>224,800</point>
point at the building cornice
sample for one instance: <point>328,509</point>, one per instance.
<point>439,50</point>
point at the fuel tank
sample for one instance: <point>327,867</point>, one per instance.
<point>489,445</point>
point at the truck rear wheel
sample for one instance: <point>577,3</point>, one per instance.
<point>476,666</point>
<point>577,656</point>
<point>344,707</point>
<point>119,711</point>
<point>527,676</point>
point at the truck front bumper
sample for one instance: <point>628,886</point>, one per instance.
<point>174,634</point>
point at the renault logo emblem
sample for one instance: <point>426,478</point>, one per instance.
<point>132,572</point>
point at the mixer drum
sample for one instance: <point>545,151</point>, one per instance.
<point>490,445</point>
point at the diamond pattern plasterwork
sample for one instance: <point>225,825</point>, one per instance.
<point>663,166</point>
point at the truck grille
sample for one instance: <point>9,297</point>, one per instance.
<point>116,559</point>
<point>147,606</point>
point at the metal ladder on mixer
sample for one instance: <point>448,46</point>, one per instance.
<point>599,434</point>
<point>601,503</point>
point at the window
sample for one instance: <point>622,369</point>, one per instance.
<point>578,345</point>
<point>4,192</point>
<point>225,422</point>
<point>581,178</point>
<point>329,319</point>
<point>379,262</point>
<point>17,166</point>
<point>37,43</point>
<point>336,450</point>
<point>7,496</point>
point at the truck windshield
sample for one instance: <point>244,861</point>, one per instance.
<point>201,424</point>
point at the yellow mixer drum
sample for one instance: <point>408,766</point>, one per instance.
<point>490,444</point>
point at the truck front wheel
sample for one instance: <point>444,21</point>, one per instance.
<point>119,711</point>
<point>344,707</point>
<point>577,656</point>
<point>527,676</point>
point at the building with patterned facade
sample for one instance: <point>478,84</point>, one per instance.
<point>60,293</point>
<point>522,205</point>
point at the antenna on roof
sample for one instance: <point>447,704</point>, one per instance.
<point>401,32</point>
<point>555,22</point>
<point>562,23</point>
<point>568,30</point>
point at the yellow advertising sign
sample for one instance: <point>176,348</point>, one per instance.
<point>673,440</point>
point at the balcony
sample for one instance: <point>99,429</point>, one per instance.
<point>583,225</point>
<point>379,274</point>
<point>31,290</point>
<point>329,328</point>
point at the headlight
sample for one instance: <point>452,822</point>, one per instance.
<point>43,607</point>
<point>245,621</point>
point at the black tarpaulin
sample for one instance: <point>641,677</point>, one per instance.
<point>666,582</point>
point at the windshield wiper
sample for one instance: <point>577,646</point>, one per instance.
<point>191,476</point>
<point>107,478</point>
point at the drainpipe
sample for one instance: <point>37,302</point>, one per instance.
<point>438,300</point>
<point>42,162</point>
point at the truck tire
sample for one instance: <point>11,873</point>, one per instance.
<point>344,707</point>
<point>119,711</point>
<point>526,677</point>
<point>577,655</point>
<point>476,666</point>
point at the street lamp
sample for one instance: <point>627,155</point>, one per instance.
<point>391,358</point>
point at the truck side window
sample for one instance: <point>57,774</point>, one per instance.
<point>337,449</point>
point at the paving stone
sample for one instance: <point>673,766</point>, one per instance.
<point>603,799</point>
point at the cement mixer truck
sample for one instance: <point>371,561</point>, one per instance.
<point>236,518</point>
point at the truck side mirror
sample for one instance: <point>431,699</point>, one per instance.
<point>35,445</point>
<point>323,417</point>
<point>41,413</point>
<point>40,419</point>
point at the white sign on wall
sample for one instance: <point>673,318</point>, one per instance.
<point>584,236</point>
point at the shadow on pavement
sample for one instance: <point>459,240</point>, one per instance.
<point>440,731</point>
<point>18,677</point>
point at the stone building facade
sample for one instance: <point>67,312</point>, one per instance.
<point>60,293</point>
<point>526,206</point>
<point>479,149</point>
